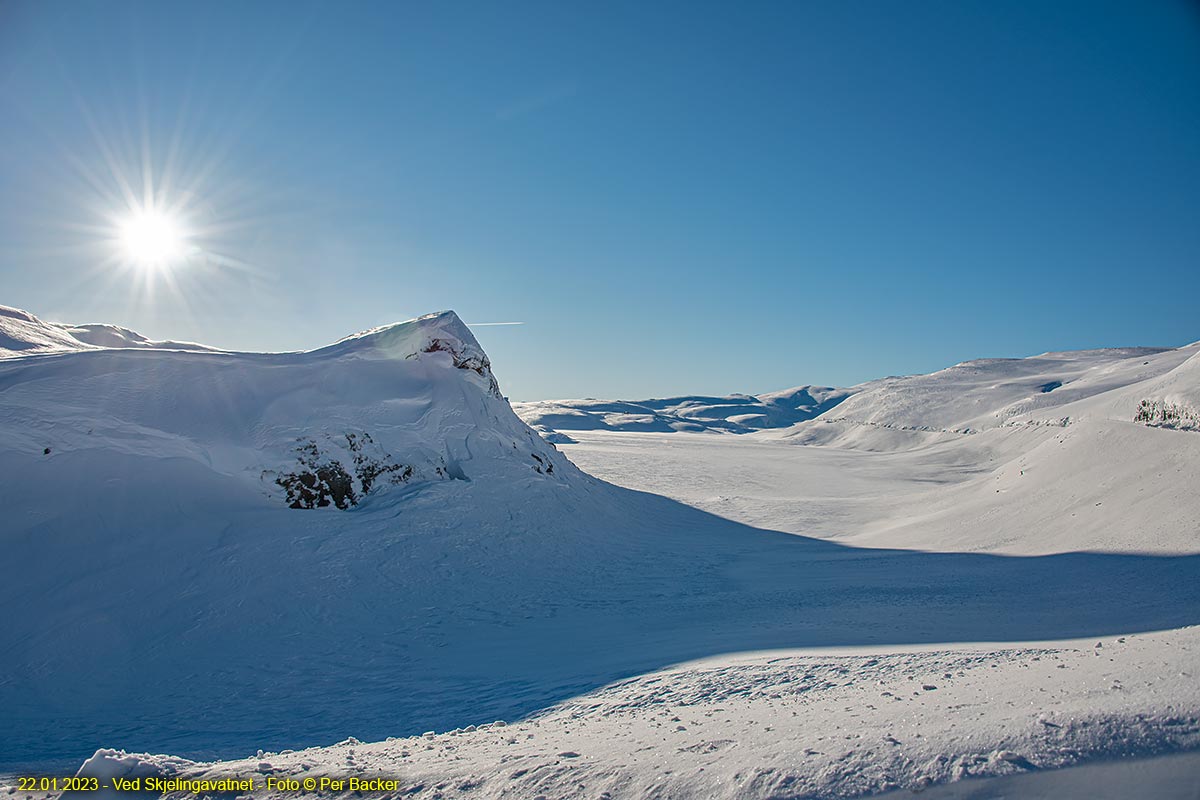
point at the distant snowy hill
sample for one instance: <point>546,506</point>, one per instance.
<point>737,413</point>
<point>115,336</point>
<point>987,393</point>
<point>21,333</point>
<point>1167,400</point>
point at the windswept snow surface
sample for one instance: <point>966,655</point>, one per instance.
<point>931,598</point>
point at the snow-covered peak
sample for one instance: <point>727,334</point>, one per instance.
<point>409,335</point>
<point>423,337</point>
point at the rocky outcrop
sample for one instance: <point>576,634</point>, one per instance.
<point>465,357</point>
<point>322,480</point>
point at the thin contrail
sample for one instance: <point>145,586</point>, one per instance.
<point>480,324</point>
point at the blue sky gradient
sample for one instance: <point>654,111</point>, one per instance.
<point>673,197</point>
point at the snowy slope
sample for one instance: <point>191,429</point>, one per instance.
<point>1166,399</point>
<point>979,395</point>
<point>737,413</point>
<point>1104,462</point>
<point>1034,477</point>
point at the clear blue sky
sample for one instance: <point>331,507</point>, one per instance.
<point>673,197</point>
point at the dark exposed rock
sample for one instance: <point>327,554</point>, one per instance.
<point>476,362</point>
<point>323,480</point>
<point>320,483</point>
<point>369,469</point>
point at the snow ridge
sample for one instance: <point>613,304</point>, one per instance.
<point>21,333</point>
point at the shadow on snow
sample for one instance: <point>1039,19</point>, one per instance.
<point>261,627</point>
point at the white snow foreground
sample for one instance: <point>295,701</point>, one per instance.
<point>176,593</point>
<point>780,725</point>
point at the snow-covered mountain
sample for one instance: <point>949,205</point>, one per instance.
<point>392,407</point>
<point>738,413</point>
<point>220,552</point>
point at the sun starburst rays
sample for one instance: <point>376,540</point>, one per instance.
<point>153,212</point>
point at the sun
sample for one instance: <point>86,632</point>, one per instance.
<point>152,239</point>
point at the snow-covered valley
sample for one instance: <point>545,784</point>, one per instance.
<point>988,570</point>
